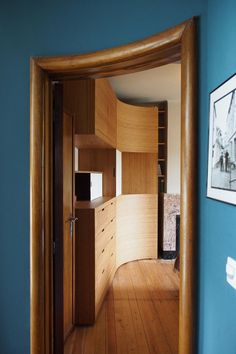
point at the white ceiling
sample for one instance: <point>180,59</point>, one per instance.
<point>159,84</point>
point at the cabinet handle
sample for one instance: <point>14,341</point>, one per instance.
<point>112,203</point>
<point>103,230</point>
<point>103,271</point>
<point>112,237</point>
<point>103,209</point>
<point>111,220</point>
<point>112,254</point>
<point>103,250</point>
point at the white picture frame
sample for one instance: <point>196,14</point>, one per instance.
<point>221,178</point>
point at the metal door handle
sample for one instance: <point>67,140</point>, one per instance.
<point>71,220</point>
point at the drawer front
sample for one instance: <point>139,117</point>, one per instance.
<point>103,237</point>
<point>103,260</point>
<point>104,215</point>
<point>103,280</point>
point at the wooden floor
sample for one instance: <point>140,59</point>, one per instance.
<point>139,315</point>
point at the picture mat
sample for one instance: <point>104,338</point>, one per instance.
<point>225,195</point>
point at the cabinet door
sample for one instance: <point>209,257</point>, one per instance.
<point>136,128</point>
<point>105,112</point>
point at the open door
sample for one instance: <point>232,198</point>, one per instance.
<point>64,220</point>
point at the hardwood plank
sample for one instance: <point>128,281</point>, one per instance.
<point>133,318</point>
<point>168,312</point>
<point>110,323</point>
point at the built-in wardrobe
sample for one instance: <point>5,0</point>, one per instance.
<point>120,142</point>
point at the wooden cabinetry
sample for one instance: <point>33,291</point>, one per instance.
<point>136,235</point>
<point>101,160</point>
<point>95,256</point>
<point>93,104</point>
<point>136,128</point>
<point>139,173</point>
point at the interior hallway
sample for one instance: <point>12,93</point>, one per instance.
<point>139,314</point>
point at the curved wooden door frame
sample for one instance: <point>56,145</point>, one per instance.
<point>174,44</point>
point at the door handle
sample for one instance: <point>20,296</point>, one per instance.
<point>71,220</point>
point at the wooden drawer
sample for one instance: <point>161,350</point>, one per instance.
<point>104,236</point>
<point>103,260</point>
<point>104,279</point>
<point>104,215</point>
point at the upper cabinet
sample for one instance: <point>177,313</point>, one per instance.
<point>93,104</point>
<point>137,128</point>
<point>105,112</point>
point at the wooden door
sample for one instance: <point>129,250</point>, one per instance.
<point>68,213</point>
<point>63,189</point>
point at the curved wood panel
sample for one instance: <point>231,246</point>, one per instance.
<point>139,173</point>
<point>136,128</point>
<point>136,228</point>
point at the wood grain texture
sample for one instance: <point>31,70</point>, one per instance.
<point>37,303</point>
<point>157,50</point>
<point>139,314</point>
<point>136,235</point>
<point>139,173</point>
<point>90,141</point>
<point>150,52</point>
<point>105,112</point>
<point>48,129</point>
<point>136,128</point>
<point>100,160</point>
<point>188,221</point>
<point>79,100</point>
<point>68,194</point>
<point>95,257</point>
<point>93,104</point>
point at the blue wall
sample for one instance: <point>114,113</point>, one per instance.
<point>30,28</point>
<point>217,220</point>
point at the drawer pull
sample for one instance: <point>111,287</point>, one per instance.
<point>111,220</point>
<point>103,209</point>
<point>103,230</point>
<point>112,203</point>
<point>103,250</point>
<point>112,237</point>
<point>103,271</point>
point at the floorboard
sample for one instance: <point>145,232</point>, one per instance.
<point>139,315</point>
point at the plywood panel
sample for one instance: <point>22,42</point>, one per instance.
<point>136,216</point>
<point>79,100</point>
<point>139,173</point>
<point>105,112</point>
<point>100,160</point>
<point>136,128</point>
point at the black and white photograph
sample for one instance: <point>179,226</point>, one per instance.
<point>221,183</point>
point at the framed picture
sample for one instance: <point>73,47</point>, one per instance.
<point>221,179</point>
